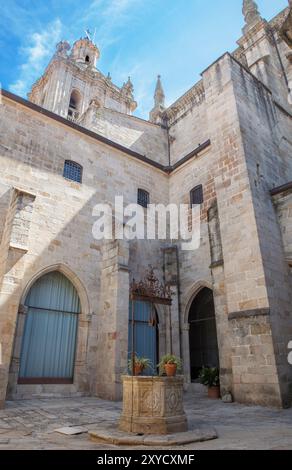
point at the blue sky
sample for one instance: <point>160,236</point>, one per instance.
<point>140,38</point>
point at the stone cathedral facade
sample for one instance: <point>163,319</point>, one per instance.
<point>226,144</point>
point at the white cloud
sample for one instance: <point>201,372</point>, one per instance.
<point>110,17</point>
<point>112,10</point>
<point>116,9</point>
<point>36,53</point>
<point>18,88</point>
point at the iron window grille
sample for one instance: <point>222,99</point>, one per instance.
<point>143,198</point>
<point>196,195</point>
<point>72,171</point>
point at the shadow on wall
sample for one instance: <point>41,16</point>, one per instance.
<point>42,254</point>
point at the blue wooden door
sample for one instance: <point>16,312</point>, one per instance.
<point>146,333</point>
<point>49,339</point>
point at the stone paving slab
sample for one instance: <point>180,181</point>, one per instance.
<point>71,431</point>
<point>238,426</point>
<point>119,438</point>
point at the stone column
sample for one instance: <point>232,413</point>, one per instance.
<point>12,251</point>
<point>220,301</point>
<point>112,349</point>
<point>186,352</point>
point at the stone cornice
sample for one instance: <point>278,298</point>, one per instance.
<point>193,97</point>
<point>247,314</point>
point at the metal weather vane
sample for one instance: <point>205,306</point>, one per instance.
<point>89,35</point>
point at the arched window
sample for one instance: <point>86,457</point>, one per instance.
<point>87,59</point>
<point>72,171</point>
<point>74,105</point>
<point>196,195</point>
<point>50,331</point>
<point>143,198</point>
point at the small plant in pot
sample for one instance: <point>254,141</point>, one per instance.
<point>169,365</point>
<point>209,376</point>
<point>140,364</point>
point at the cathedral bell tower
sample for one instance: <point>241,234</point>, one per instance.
<point>71,81</point>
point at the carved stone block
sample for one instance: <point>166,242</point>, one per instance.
<point>153,405</point>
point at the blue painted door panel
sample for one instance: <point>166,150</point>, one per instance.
<point>145,334</point>
<point>49,340</point>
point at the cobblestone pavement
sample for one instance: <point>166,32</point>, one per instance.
<point>30,424</point>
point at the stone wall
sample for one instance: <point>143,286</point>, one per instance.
<point>245,240</point>
<point>243,266</point>
<point>33,150</point>
<point>136,134</point>
<point>262,123</point>
<point>283,206</point>
<point>187,121</point>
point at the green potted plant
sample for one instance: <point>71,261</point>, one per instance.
<point>170,364</point>
<point>209,376</point>
<point>140,364</point>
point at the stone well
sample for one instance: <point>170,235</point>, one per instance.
<point>153,405</point>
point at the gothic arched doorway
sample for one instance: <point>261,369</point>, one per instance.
<point>202,333</point>
<point>50,332</point>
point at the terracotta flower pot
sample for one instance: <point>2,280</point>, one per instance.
<point>214,392</point>
<point>170,370</point>
<point>138,369</point>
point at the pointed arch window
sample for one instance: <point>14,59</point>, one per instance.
<point>50,332</point>
<point>73,171</point>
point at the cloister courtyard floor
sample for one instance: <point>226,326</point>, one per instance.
<point>31,424</point>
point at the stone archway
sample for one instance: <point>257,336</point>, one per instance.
<point>203,344</point>
<point>80,382</point>
<point>72,277</point>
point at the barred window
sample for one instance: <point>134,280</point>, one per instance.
<point>143,198</point>
<point>196,195</point>
<point>72,171</point>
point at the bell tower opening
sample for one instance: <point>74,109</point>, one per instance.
<point>74,106</point>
